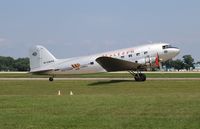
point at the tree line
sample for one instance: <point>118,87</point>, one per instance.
<point>22,64</point>
<point>11,64</point>
<point>187,62</point>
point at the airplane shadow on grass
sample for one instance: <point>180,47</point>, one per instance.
<point>109,82</point>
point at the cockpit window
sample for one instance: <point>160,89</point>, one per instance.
<point>167,46</point>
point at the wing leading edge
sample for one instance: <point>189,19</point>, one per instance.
<point>112,64</point>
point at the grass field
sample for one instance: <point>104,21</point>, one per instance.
<point>100,105</point>
<point>104,75</point>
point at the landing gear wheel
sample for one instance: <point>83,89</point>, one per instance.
<point>143,77</point>
<point>137,77</point>
<point>50,79</point>
<point>140,77</point>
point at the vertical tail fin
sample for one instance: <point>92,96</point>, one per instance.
<point>39,57</point>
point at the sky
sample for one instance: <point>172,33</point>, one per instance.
<point>71,28</point>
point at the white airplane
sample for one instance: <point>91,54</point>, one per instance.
<point>134,60</point>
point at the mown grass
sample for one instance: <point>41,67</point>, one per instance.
<point>103,75</point>
<point>100,105</point>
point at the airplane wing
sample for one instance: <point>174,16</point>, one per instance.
<point>112,64</point>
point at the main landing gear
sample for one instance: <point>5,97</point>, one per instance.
<point>138,76</point>
<point>50,79</point>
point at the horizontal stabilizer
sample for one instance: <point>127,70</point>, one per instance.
<point>41,71</point>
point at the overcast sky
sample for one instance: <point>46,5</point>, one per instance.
<point>82,27</point>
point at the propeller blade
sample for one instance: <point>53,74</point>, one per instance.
<point>157,61</point>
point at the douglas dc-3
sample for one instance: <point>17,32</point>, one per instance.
<point>134,60</point>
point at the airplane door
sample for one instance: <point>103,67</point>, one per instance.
<point>147,60</point>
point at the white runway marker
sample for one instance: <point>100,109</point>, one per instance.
<point>71,93</point>
<point>59,93</point>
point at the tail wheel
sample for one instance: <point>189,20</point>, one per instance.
<point>50,79</point>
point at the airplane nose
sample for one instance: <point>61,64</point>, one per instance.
<point>169,53</point>
<point>177,51</point>
<point>174,51</point>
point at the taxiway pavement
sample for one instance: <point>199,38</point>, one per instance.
<point>93,79</point>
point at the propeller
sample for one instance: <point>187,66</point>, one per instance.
<point>157,61</point>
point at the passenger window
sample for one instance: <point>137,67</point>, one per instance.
<point>130,55</point>
<point>91,63</point>
<point>122,56</point>
<point>145,52</point>
<point>138,54</point>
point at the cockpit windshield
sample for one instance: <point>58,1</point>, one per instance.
<point>167,46</point>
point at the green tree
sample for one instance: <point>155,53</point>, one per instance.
<point>6,63</point>
<point>188,61</point>
<point>178,64</point>
<point>10,64</point>
<point>168,64</point>
<point>22,64</point>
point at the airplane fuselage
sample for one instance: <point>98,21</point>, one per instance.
<point>145,54</point>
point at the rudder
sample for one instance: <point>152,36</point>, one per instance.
<point>39,57</point>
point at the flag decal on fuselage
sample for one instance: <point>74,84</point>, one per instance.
<point>76,66</point>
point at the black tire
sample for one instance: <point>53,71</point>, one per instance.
<point>143,77</point>
<point>50,79</point>
<point>137,77</point>
<point>140,77</point>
